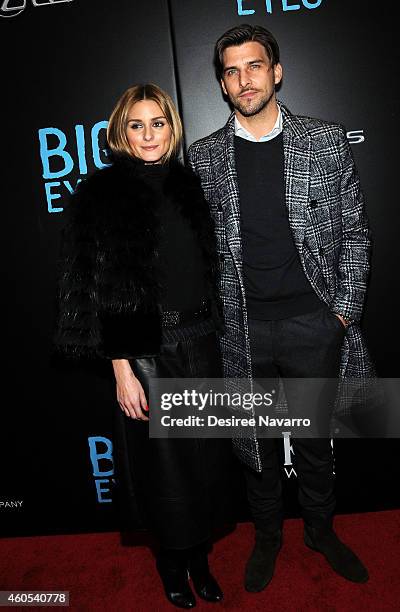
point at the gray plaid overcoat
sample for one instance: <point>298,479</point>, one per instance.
<point>330,230</point>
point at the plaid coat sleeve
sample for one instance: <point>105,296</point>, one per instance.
<point>353,265</point>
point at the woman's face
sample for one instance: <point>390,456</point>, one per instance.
<point>148,132</point>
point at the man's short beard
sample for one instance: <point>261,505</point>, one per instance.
<point>251,111</point>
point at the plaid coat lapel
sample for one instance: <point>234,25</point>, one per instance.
<point>297,174</point>
<point>223,160</point>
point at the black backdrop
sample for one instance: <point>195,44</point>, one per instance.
<point>64,66</point>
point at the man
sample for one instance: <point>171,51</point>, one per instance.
<point>293,244</point>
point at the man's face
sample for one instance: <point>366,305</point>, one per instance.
<point>248,79</point>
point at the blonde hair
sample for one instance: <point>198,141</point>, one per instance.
<point>116,131</point>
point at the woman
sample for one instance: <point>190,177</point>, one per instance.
<point>138,288</point>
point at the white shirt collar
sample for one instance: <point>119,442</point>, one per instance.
<point>276,130</point>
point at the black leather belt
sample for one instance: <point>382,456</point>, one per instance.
<point>173,318</point>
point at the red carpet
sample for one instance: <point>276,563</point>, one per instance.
<point>103,575</point>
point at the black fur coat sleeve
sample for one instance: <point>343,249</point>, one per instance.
<point>78,325</point>
<point>108,293</point>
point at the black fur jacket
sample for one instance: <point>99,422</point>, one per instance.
<point>108,293</point>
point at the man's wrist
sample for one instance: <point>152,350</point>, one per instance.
<point>346,322</point>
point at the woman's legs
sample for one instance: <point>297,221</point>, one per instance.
<point>172,565</point>
<point>175,566</point>
<point>204,582</point>
<point>178,491</point>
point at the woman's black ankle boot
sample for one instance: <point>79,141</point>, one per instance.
<point>204,582</point>
<point>172,567</point>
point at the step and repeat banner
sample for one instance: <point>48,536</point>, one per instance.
<point>65,63</point>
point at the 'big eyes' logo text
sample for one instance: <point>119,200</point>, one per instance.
<point>67,156</point>
<point>270,5</point>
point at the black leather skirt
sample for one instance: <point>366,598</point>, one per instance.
<point>179,488</point>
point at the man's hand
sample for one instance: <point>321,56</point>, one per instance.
<point>130,394</point>
<point>343,321</point>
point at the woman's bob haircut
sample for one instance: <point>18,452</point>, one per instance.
<point>116,131</point>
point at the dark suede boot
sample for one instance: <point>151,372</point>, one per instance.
<point>261,564</point>
<point>339,556</point>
